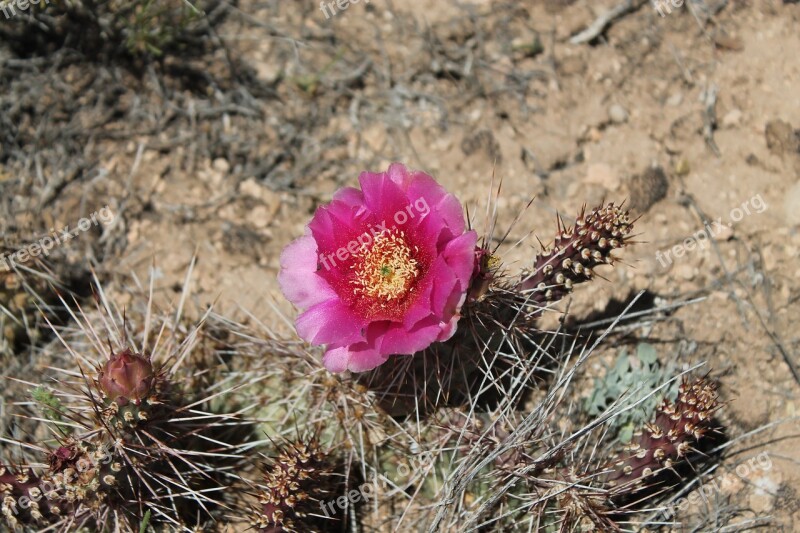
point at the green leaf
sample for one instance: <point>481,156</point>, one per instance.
<point>626,432</point>
<point>647,353</point>
<point>48,403</point>
<point>145,522</point>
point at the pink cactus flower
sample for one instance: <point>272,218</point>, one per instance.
<point>380,271</point>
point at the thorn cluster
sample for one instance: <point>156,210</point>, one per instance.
<point>576,252</point>
<point>295,483</point>
<point>14,486</point>
<point>79,476</point>
<point>669,437</point>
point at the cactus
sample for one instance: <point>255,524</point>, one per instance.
<point>76,484</point>
<point>576,252</point>
<point>150,431</point>
<point>144,434</point>
<point>16,484</point>
<point>667,439</point>
<point>575,495</point>
<point>499,317</point>
<point>297,486</point>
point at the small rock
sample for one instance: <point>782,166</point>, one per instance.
<point>682,167</point>
<point>259,217</point>
<point>781,139</point>
<point>648,188</point>
<point>723,233</point>
<point>791,205</point>
<point>221,165</point>
<point>269,202</point>
<point>269,72</point>
<point>728,42</point>
<point>763,498</point>
<point>251,187</point>
<point>675,100</point>
<point>594,135</point>
<point>209,176</point>
<point>752,160</point>
<point>732,118</point>
<point>571,65</point>
<point>482,140</point>
<point>617,114</point>
<point>771,257</point>
<point>686,271</point>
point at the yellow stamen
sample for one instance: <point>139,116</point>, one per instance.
<point>386,269</point>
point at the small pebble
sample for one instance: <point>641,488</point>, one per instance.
<point>792,205</point>
<point>732,118</point>
<point>617,114</point>
<point>675,100</point>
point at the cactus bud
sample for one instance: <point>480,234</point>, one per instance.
<point>127,376</point>
<point>669,437</point>
<point>576,252</point>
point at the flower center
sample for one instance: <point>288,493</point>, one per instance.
<point>386,269</point>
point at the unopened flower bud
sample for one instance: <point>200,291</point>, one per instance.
<point>127,376</point>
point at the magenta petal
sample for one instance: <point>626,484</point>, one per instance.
<point>336,359</point>
<point>443,290</point>
<point>444,222</point>
<point>350,196</point>
<point>382,196</point>
<point>334,225</point>
<point>366,359</point>
<point>448,329</point>
<point>298,279</point>
<point>401,341</point>
<point>460,256</point>
<point>439,284</point>
<point>422,306</point>
<point>452,214</point>
<point>423,186</point>
<point>358,357</point>
<point>329,322</point>
<point>453,305</point>
<point>400,175</point>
